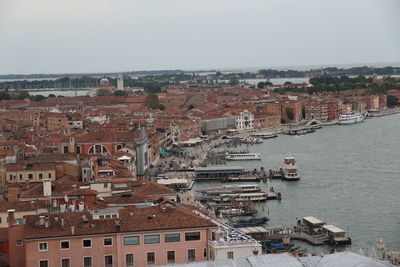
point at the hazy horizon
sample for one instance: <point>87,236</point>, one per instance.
<point>105,36</point>
<point>231,69</point>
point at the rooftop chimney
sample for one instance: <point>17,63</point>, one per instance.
<point>46,222</point>
<point>117,226</point>
<point>11,219</point>
<point>72,230</point>
<point>41,220</point>
<point>47,187</point>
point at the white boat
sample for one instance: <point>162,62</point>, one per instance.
<point>237,188</point>
<point>264,135</point>
<point>243,156</point>
<point>351,118</point>
<point>253,140</point>
<point>289,172</point>
<point>261,196</point>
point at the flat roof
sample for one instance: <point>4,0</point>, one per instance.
<point>220,168</point>
<point>332,228</point>
<point>313,220</point>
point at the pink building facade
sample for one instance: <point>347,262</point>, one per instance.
<point>78,239</point>
<point>125,249</point>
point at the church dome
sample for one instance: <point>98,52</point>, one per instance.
<point>104,81</point>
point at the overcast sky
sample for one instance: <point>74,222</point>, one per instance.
<point>64,36</point>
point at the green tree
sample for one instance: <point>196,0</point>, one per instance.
<point>152,101</point>
<point>289,113</point>
<point>4,95</point>
<point>260,85</point>
<point>51,95</point>
<point>392,101</point>
<point>37,98</point>
<point>121,93</point>
<point>20,95</point>
<point>190,107</point>
<point>103,92</point>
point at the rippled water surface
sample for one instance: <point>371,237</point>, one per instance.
<point>350,177</point>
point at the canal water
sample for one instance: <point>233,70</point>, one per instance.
<point>350,177</point>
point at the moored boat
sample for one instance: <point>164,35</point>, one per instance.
<point>243,156</point>
<point>264,135</point>
<point>351,118</point>
<point>260,221</point>
<point>252,140</point>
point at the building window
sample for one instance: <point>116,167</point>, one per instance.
<point>169,238</point>
<point>64,244</point>
<point>49,175</point>
<point>107,242</point>
<point>152,239</point>
<point>151,258</point>
<point>40,176</point>
<point>108,261</point>
<point>65,262</point>
<point>19,243</point>
<point>205,252</point>
<point>43,263</point>
<point>170,256</point>
<point>87,262</point>
<point>230,255</point>
<point>43,246</point>
<point>87,243</point>
<point>20,176</point>
<point>192,236</point>
<point>30,176</point>
<point>129,260</point>
<point>191,255</point>
<point>255,252</point>
<point>131,240</point>
<point>78,150</point>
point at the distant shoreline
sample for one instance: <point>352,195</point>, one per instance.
<point>197,70</point>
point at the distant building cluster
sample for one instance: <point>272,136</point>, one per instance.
<point>74,172</point>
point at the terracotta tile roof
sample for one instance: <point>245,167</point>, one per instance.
<point>146,187</point>
<point>80,192</point>
<point>129,199</point>
<point>23,205</point>
<point>30,166</point>
<point>131,219</point>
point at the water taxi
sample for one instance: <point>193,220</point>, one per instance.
<point>243,156</point>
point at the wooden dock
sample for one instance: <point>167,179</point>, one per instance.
<point>268,233</point>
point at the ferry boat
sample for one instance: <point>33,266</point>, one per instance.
<point>261,196</point>
<point>243,156</point>
<point>351,118</point>
<point>252,140</point>
<point>240,188</point>
<point>289,172</point>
